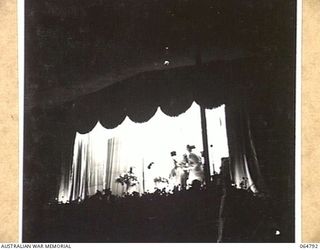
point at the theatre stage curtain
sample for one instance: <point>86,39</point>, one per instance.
<point>174,91</point>
<point>100,156</point>
<point>98,159</point>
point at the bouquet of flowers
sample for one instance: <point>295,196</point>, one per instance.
<point>127,178</point>
<point>160,180</point>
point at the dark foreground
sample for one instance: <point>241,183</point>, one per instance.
<point>191,215</point>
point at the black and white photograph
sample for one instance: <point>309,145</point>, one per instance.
<point>159,121</point>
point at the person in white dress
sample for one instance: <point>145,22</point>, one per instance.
<point>178,174</point>
<point>195,166</point>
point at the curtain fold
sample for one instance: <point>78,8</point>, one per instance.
<point>244,165</point>
<point>99,158</point>
<point>114,167</point>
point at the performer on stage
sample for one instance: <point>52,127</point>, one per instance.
<point>194,165</point>
<point>178,175</point>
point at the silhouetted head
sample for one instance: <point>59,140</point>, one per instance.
<point>190,147</point>
<point>196,185</point>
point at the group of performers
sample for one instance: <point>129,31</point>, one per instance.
<point>186,170</point>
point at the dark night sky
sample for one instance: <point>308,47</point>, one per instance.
<point>76,47</point>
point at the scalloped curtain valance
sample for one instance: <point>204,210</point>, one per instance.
<point>172,90</point>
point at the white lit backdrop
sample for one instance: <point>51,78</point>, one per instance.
<point>101,155</point>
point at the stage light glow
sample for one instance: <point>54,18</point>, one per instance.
<point>217,137</point>
<point>137,145</point>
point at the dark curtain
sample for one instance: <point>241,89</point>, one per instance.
<point>243,158</point>
<point>173,90</point>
